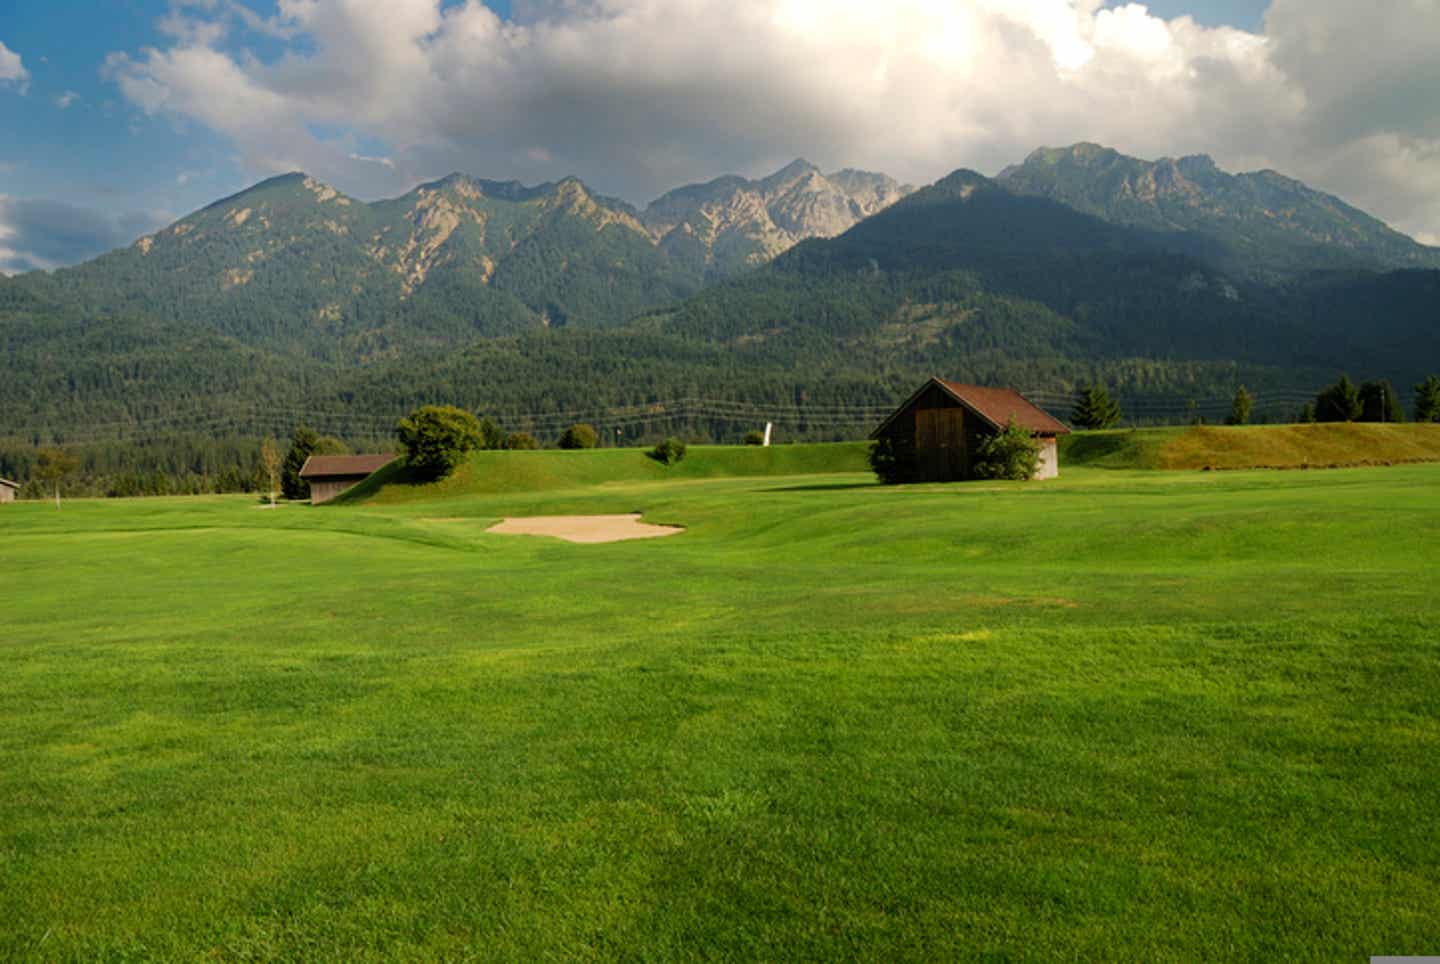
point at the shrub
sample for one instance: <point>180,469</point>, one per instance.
<point>521,441</point>
<point>668,452</point>
<point>1012,454</point>
<point>579,436</point>
<point>492,436</point>
<point>1095,409</point>
<point>436,438</point>
<point>755,438</point>
<point>893,460</point>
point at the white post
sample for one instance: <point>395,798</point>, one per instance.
<point>768,427</point>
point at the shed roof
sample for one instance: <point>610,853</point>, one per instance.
<point>9,484</point>
<point>342,466</point>
<point>995,406</point>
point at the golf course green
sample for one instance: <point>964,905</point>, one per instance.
<point>1138,715</point>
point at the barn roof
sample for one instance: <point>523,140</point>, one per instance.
<point>996,406</point>
<point>9,484</point>
<point>342,466</point>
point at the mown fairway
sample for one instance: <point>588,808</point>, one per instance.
<point>1123,715</point>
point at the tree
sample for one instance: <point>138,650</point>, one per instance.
<point>1427,400</point>
<point>270,459</point>
<point>1378,402</point>
<point>521,441</point>
<point>668,452</point>
<point>492,436</point>
<point>305,442</point>
<point>1339,402</point>
<point>302,445</point>
<point>754,437</point>
<point>52,465</point>
<point>1240,407</point>
<point>1012,454</point>
<point>579,436</point>
<point>1095,409</point>
<point>1307,413</point>
<point>436,438</point>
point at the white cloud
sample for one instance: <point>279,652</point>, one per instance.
<point>12,69</point>
<point>63,101</point>
<point>639,95</point>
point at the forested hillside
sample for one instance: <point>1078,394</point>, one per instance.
<point>547,305</point>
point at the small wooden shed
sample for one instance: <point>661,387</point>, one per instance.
<point>329,475</point>
<point>8,490</point>
<point>939,428</point>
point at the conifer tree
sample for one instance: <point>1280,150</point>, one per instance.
<point>1378,402</point>
<point>302,445</point>
<point>1427,400</point>
<point>1339,402</point>
<point>1095,409</point>
<point>1240,407</point>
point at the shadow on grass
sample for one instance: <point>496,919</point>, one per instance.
<point>825,487</point>
<point>1112,449</point>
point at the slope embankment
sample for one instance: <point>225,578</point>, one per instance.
<point>489,473</point>
<point>1254,447</point>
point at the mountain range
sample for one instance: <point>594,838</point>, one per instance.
<point>1169,278</point>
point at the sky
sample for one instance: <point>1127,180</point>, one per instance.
<point>119,117</point>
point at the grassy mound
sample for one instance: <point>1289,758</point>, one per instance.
<point>489,473</point>
<point>1253,447</point>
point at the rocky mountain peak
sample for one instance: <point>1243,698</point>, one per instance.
<point>1267,225</point>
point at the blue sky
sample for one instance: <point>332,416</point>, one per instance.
<point>117,115</point>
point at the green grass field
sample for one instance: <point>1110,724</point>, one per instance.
<point>1126,715</point>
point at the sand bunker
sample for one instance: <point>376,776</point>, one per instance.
<point>585,528</point>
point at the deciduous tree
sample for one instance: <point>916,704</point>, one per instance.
<point>436,439</point>
<point>270,459</point>
<point>52,465</point>
<point>521,441</point>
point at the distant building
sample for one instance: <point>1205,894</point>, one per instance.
<point>8,490</point>
<point>329,475</point>
<point>941,426</point>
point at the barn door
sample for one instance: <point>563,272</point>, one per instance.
<point>940,443</point>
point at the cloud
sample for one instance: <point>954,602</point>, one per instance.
<point>637,96</point>
<point>63,101</point>
<point>43,234</point>
<point>12,70</point>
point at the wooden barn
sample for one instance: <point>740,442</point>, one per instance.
<point>8,490</point>
<point>329,475</point>
<point>938,429</point>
